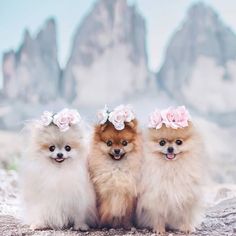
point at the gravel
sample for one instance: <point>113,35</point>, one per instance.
<point>219,220</point>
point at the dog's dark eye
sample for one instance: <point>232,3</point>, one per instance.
<point>162,142</point>
<point>67,148</point>
<point>178,142</point>
<point>124,142</point>
<point>109,143</point>
<point>51,148</point>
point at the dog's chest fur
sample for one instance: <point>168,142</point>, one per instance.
<point>119,176</point>
<point>175,184</point>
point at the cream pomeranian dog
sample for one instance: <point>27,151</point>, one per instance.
<point>172,174</point>
<point>114,164</point>
<point>56,188</point>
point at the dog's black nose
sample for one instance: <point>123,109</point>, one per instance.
<point>170,149</point>
<point>60,155</point>
<point>117,151</point>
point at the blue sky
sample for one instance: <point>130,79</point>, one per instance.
<point>162,18</point>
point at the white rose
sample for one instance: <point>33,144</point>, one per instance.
<point>102,115</point>
<point>47,118</point>
<point>155,120</point>
<point>117,118</point>
<point>62,120</point>
<point>128,112</point>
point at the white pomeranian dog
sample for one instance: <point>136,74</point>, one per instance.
<point>56,189</point>
<point>172,176</point>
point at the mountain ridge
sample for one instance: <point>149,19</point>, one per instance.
<point>201,57</point>
<point>108,57</point>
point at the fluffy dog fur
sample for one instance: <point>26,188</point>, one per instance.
<point>115,177</point>
<point>170,190</point>
<point>57,194</point>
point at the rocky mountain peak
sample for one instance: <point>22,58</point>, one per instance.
<point>203,50</point>
<point>200,12</point>
<point>108,55</point>
<point>47,39</point>
<point>33,67</point>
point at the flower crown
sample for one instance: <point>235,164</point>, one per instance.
<point>63,119</point>
<point>117,117</point>
<point>172,117</point>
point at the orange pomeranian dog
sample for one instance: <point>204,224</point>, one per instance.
<point>172,173</point>
<point>114,165</point>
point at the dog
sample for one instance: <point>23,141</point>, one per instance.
<point>114,166</point>
<point>56,189</point>
<point>172,174</point>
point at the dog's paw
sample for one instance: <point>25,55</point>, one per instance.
<point>159,230</point>
<point>37,227</point>
<point>187,229</point>
<point>81,227</point>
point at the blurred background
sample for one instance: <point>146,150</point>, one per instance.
<point>148,53</point>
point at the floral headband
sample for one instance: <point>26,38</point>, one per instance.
<point>172,117</point>
<point>63,119</point>
<point>117,117</point>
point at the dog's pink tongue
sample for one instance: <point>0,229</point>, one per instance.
<point>170,155</point>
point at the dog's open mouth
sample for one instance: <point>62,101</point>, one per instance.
<point>170,156</point>
<point>59,159</point>
<point>117,157</point>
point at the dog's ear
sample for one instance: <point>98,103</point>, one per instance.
<point>101,127</point>
<point>132,124</point>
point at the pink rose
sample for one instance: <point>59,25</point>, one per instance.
<point>65,118</point>
<point>61,121</point>
<point>47,118</point>
<point>155,120</point>
<point>74,116</point>
<point>169,116</point>
<point>182,116</point>
<point>175,118</point>
<point>120,115</point>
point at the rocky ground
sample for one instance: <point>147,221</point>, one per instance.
<point>219,220</point>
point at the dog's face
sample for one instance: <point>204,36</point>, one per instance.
<point>171,144</point>
<point>116,144</point>
<point>58,146</point>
